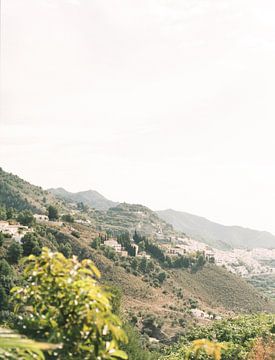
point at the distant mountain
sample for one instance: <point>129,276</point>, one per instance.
<point>91,198</point>
<point>217,235</point>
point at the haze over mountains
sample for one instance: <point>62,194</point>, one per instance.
<point>199,228</point>
<point>217,235</point>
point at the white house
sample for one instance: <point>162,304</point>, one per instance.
<point>113,244</point>
<point>16,231</point>
<point>39,217</point>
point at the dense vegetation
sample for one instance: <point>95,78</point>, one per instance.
<point>238,335</point>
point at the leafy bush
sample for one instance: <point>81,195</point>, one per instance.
<point>66,305</point>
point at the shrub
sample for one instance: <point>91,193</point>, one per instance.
<point>75,234</point>
<point>14,253</point>
<point>66,250</point>
<point>5,268</point>
<point>53,213</point>
<point>26,218</point>
<point>161,277</point>
<point>68,218</point>
<point>31,244</point>
<point>66,305</point>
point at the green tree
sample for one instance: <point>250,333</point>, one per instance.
<point>2,238</point>
<point>14,252</point>
<point>82,207</point>
<point>68,218</point>
<point>31,244</point>
<point>66,304</point>
<point>53,213</point>
<point>143,264</point>
<point>4,300</point>
<point>66,250</point>
<point>162,276</point>
<point>95,244</point>
<point>134,347</point>
<point>10,213</point>
<point>26,218</point>
<point>134,264</point>
<point>3,214</point>
<point>5,268</point>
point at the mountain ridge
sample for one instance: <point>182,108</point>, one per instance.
<point>217,235</point>
<point>89,197</point>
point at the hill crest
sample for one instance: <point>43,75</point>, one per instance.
<point>90,198</point>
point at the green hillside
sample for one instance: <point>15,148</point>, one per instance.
<point>19,194</point>
<point>158,299</point>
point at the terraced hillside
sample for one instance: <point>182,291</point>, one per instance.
<point>132,217</point>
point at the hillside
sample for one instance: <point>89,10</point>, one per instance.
<point>152,293</point>
<point>131,217</point>
<point>90,198</point>
<point>217,235</point>
<point>19,194</point>
<point>211,290</point>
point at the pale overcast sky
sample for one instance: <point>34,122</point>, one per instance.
<point>168,103</point>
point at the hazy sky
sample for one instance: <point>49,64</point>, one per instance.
<point>168,103</point>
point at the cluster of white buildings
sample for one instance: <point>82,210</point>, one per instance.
<point>15,231</point>
<point>121,251</point>
<point>116,246</point>
<point>181,246</point>
<point>239,261</point>
<point>245,262</point>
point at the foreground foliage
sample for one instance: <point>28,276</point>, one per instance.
<point>238,337</point>
<point>63,303</point>
<point>15,347</point>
